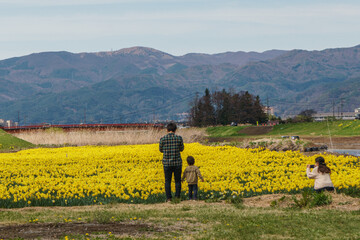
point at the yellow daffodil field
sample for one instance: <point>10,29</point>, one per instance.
<point>134,174</point>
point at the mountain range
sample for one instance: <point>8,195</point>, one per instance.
<point>143,84</point>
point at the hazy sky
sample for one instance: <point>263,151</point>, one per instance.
<point>176,27</point>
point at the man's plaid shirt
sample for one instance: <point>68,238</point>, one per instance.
<point>171,145</point>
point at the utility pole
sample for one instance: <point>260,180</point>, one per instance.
<point>85,115</point>
<point>333,103</point>
<point>342,104</point>
<point>19,118</point>
<point>163,96</point>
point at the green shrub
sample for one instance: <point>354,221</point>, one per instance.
<point>275,203</point>
<point>212,200</point>
<point>310,198</point>
<point>321,199</point>
<point>236,200</point>
<point>351,191</point>
<point>176,200</point>
<point>305,200</point>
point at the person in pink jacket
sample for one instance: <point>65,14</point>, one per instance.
<point>321,174</point>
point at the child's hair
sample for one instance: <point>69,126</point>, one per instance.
<point>190,160</point>
<point>171,127</point>
<point>322,166</point>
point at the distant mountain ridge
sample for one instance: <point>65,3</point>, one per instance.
<point>140,84</point>
<point>305,75</point>
<point>64,71</point>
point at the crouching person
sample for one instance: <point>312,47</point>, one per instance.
<point>321,174</point>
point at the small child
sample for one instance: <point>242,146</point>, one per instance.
<point>192,173</point>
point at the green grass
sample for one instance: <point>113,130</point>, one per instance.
<point>337,128</point>
<point>9,142</point>
<point>188,220</point>
<point>209,196</point>
<point>224,131</point>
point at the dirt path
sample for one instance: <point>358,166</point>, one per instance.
<point>337,142</point>
<point>339,201</point>
<point>58,230</point>
<point>145,228</point>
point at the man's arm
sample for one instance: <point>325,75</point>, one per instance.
<point>184,175</point>
<point>161,146</point>
<point>181,144</point>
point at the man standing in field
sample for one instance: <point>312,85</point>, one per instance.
<point>171,145</point>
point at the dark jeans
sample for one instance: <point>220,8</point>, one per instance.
<point>168,175</point>
<point>193,189</point>
<point>330,189</point>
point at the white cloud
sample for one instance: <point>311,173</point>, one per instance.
<point>266,15</point>
<point>218,27</point>
<point>85,27</point>
<point>308,19</point>
<point>75,2</point>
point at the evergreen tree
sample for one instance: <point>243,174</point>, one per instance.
<point>195,113</point>
<point>208,109</point>
<point>259,113</point>
<point>246,110</point>
<point>223,107</point>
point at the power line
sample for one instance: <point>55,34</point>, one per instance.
<point>293,103</point>
<point>152,110</point>
<point>161,107</point>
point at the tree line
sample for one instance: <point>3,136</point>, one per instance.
<point>222,107</point>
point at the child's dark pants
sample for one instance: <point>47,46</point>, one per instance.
<point>193,189</point>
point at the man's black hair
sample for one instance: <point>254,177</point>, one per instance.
<point>190,160</point>
<point>171,127</point>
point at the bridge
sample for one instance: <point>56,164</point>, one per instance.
<point>75,127</point>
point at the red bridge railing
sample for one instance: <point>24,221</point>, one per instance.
<point>82,126</point>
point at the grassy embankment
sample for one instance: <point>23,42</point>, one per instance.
<point>11,143</point>
<point>190,220</point>
<point>336,128</point>
<point>225,131</point>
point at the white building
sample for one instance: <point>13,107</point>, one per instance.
<point>268,110</point>
<point>343,116</point>
<point>182,117</point>
<point>9,123</point>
